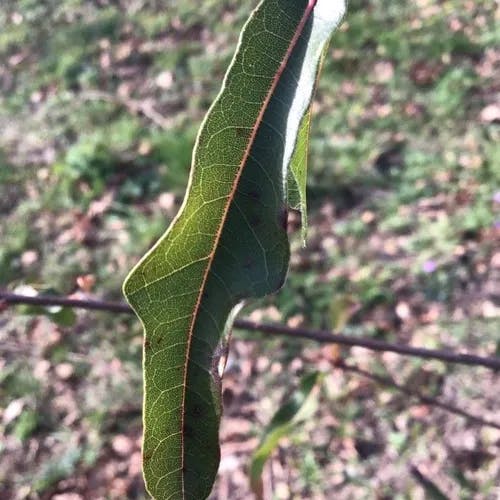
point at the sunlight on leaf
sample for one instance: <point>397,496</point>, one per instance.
<point>229,241</point>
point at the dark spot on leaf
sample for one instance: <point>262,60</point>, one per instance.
<point>197,411</point>
<point>159,340</point>
<point>242,132</point>
<point>147,344</point>
<point>255,220</point>
<point>147,455</point>
<point>254,194</point>
<point>249,263</point>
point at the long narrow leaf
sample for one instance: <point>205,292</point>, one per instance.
<point>228,242</point>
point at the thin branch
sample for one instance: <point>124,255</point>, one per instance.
<point>327,337</point>
<point>412,393</point>
<point>52,300</point>
<point>134,107</point>
<point>321,336</point>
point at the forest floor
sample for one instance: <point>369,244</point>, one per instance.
<point>100,102</point>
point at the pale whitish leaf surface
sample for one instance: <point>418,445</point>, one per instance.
<point>228,242</point>
<point>297,168</point>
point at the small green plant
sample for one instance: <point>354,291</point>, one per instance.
<point>298,408</point>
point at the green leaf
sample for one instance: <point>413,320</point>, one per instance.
<point>300,407</point>
<point>26,424</point>
<point>297,174</point>
<point>228,242</point>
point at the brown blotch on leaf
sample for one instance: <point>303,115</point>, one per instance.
<point>197,411</point>
<point>242,132</point>
<point>255,220</point>
<point>254,194</point>
<point>249,263</point>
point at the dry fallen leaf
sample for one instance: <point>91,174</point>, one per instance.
<point>165,79</point>
<point>490,113</point>
<point>13,410</point>
<point>86,282</point>
<point>122,445</point>
<point>64,370</point>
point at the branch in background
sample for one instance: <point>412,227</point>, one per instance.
<point>321,336</point>
<point>327,337</point>
<point>412,393</point>
<point>135,107</point>
<point>52,300</point>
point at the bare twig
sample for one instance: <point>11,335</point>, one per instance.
<point>327,337</point>
<point>317,335</point>
<point>412,393</point>
<point>50,300</point>
<point>135,107</point>
<point>321,336</point>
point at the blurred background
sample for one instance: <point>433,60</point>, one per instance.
<point>100,102</point>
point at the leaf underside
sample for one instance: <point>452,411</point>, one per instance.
<point>228,242</point>
<point>297,168</point>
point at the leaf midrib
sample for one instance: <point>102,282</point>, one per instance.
<point>300,27</point>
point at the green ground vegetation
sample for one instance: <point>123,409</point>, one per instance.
<point>100,102</point>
